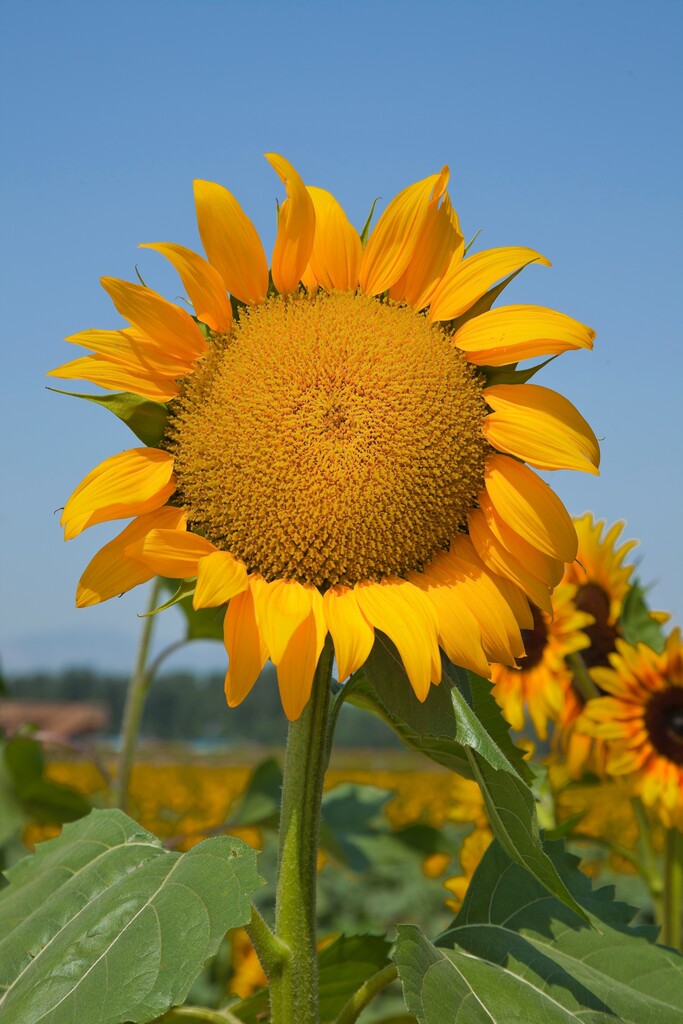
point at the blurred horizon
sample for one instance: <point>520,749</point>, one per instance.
<point>556,121</point>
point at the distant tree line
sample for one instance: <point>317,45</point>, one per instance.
<point>184,706</point>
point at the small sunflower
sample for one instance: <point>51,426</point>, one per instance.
<point>641,723</point>
<point>542,676</point>
<point>333,459</point>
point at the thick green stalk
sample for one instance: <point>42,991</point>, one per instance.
<point>294,987</point>
<point>582,680</point>
<point>672,931</point>
<point>135,701</point>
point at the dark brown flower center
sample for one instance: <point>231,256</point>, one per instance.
<point>591,598</point>
<point>535,641</point>
<point>664,723</point>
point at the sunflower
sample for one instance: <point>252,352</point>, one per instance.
<point>541,679</point>
<point>334,458</point>
<point>641,723</point>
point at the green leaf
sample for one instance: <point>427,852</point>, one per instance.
<point>442,987</point>
<point>343,966</point>
<point>102,924</point>
<point>509,801</point>
<point>366,227</point>
<point>12,818</point>
<point>352,815</point>
<point>41,800</point>
<point>145,418</point>
<point>260,803</point>
<point>508,920</point>
<point>636,622</point>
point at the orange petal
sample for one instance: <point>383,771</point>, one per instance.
<point>511,333</point>
<point>466,282</point>
<point>296,668</point>
<point>115,377</point>
<point>409,619</point>
<point>110,572</point>
<point>202,282</point>
<point>352,634</point>
<point>336,254</point>
<point>540,427</point>
<point>220,576</point>
<point>459,631</point>
<point>246,651</point>
<point>530,507</point>
<point>498,558</point>
<point>295,230</point>
<point>392,244</point>
<point>129,484</point>
<point>173,554</point>
<point>167,324</point>
<point>439,240</point>
<point>231,242</point>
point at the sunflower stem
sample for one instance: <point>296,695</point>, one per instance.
<point>672,931</point>
<point>294,983</point>
<point>366,993</point>
<point>650,872</point>
<point>582,680</point>
<point>135,700</point>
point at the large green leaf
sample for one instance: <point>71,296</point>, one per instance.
<point>41,799</point>
<point>343,966</point>
<point>508,920</point>
<point>460,725</point>
<point>445,987</point>
<point>145,418</point>
<point>636,622</point>
<point>102,924</point>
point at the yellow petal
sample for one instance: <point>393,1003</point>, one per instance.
<point>167,324</point>
<point>516,599</point>
<point>281,607</point>
<point>498,558</point>
<point>466,282</point>
<point>295,230</point>
<point>135,350</point>
<point>501,638</point>
<point>246,651</point>
<point>459,631</point>
<point>202,282</point>
<point>231,242</point>
<point>336,254</point>
<point>173,554</point>
<point>220,576</point>
<point>115,377</point>
<point>129,484</point>
<point>439,240</point>
<point>530,507</point>
<point>540,427</point>
<point>352,634</point>
<point>409,619</point>
<point>110,572</point>
<point>296,668</point>
<point>392,244</point>
<point>549,570</point>
<point>512,333</point>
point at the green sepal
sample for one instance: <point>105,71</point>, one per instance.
<point>366,227</point>
<point>186,588</point>
<point>510,374</point>
<point>145,418</point>
<point>636,622</point>
<point>200,623</point>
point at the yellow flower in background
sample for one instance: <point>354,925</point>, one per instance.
<point>541,680</point>
<point>472,849</point>
<point>333,460</point>
<point>641,723</point>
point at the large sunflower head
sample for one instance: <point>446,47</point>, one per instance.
<point>344,442</point>
<point>641,722</point>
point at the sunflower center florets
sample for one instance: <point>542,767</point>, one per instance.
<point>591,598</point>
<point>535,641</point>
<point>664,723</point>
<point>330,439</point>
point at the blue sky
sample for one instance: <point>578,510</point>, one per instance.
<point>558,121</point>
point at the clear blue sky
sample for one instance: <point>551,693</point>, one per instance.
<point>560,122</point>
